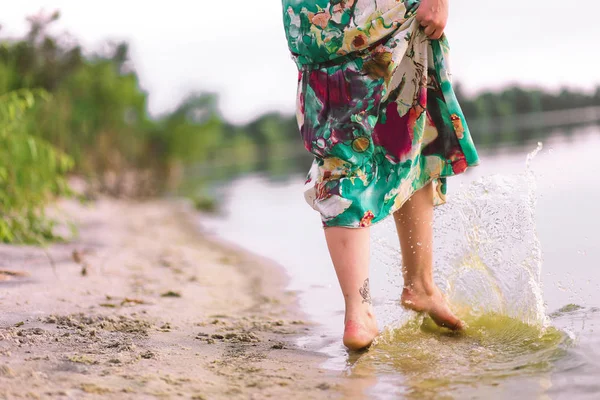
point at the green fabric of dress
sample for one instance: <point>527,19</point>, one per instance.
<point>375,107</point>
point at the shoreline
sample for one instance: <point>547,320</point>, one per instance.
<point>149,305</point>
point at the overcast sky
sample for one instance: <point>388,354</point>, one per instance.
<point>237,47</point>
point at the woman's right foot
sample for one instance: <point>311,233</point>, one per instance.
<point>359,331</point>
<point>433,303</point>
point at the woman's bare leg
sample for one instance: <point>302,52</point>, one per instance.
<point>414,223</point>
<point>349,250</point>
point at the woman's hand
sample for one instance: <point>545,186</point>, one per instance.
<point>433,16</point>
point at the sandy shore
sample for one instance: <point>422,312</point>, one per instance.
<point>143,306</point>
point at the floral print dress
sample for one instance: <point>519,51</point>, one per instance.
<point>375,107</point>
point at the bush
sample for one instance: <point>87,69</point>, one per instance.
<point>32,171</point>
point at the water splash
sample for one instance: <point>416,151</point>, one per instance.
<point>486,251</point>
<point>488,261</point>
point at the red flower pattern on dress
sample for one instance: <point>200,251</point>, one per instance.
<point>458,162</point>
<point>366,219</point>
<point>396,134</point>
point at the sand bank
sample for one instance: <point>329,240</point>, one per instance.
<point>142,305</point>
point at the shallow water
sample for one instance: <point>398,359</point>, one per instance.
<point>489,261</point>
<point>433,362</point>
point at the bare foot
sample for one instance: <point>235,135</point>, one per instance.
<point>433,303</point>
<point>359,332</point>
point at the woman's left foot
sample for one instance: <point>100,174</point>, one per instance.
<point>433,303</point>
<point>360,330</point>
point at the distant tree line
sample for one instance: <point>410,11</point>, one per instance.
<point>516,100</point>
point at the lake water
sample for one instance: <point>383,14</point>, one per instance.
<point>516,250</point>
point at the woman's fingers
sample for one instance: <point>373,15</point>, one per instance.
<point>436,34</point>
<point>432,31</point>
<point>429,30</point>
<point>433,16</point>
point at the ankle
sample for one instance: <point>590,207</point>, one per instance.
<point>360,321</point>
<point>419,287</point>
<point>358,314</point>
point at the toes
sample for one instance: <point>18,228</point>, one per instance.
<point>456,325</point>
<point>447,321</point>
<point>443,316</point>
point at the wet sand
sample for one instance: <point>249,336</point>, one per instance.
<point>141,305</point>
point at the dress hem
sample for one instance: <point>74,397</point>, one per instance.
<point>394,209</point>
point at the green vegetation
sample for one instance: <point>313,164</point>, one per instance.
<point>64,111</point>
<point>205,203</point>
<point>32,171</point>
